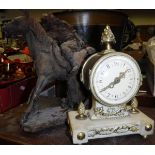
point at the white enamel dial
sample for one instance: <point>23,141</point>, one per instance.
<point>115,79</point>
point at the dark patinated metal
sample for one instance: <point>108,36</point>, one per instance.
<point>57,51</point>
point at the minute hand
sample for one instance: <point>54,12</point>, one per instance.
<point>116,81</point>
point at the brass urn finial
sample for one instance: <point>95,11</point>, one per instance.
<point>81,112</point>
<point>134,105</point>
<point>108,37</point>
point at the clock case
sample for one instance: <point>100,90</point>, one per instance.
<point>104,120</point>
<point>91,64</point>
<point>101,109</point>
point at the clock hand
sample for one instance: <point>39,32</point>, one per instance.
<point>111,85</point>
<point>122,74</point>
<point>116,81</point>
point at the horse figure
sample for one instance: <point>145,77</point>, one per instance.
<point>51,60</point>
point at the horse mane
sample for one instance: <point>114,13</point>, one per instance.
<point>38,30</point>
<point>58,29</point>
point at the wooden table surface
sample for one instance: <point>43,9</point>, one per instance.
<point>11,133</point>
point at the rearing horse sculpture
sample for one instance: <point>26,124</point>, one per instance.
<point>50,60</point>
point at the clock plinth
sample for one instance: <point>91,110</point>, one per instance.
<point>84,130</point>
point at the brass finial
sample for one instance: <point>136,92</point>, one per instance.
<point>107,39</point>
<point>81,112</point>
<point>134,105</point>
<point>107,35</point>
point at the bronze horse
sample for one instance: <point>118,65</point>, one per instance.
<point>53,59</point>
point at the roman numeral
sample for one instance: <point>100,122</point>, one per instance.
<point>116,96</point>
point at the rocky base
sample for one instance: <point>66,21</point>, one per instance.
<point>49,114</point>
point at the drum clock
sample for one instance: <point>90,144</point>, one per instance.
<point>113,79</point>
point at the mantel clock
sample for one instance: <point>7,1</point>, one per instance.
<point>114,79</point>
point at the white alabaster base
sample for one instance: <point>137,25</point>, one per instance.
<point>83,130</point>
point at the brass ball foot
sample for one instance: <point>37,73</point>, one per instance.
<point>145,136</point>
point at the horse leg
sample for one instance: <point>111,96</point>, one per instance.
<point>30,96</point>
<point>40,85</point>
<point>74,94</point>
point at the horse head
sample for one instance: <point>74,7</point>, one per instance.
<point>31,30</point>
<point>18,25</point>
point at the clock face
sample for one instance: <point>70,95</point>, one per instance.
<point>115,79</point>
